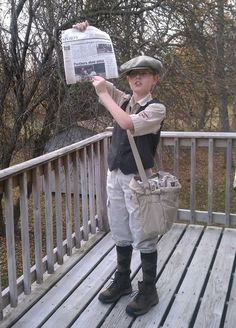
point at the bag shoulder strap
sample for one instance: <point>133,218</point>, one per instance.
<point>137,158</point>
<point>134,148</point>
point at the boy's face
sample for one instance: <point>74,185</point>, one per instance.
<point>141,81</point>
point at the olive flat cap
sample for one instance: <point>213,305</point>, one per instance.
<point>141,62</point>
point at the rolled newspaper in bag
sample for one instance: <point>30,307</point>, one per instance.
<point>156,197</point>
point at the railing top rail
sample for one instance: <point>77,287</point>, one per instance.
<point>27,165</point>
<point>204,135</point>
<point>30,164</point>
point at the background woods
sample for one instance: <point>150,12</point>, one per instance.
<point>194,39</point>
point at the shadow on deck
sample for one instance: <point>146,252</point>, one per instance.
<point>196,285</point>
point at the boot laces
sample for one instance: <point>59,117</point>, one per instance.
<point>116,281</point>
<point>139,298</point>
<point>140,293</point>
<point>113,284</point>
<point>137,295</point>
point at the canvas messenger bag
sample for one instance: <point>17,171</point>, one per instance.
<point>157,196</point>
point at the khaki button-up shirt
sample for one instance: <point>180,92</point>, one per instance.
<point>147,121</point>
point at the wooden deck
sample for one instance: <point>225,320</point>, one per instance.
<point>196,285</point>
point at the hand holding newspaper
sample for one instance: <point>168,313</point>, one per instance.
<point>88,53</point>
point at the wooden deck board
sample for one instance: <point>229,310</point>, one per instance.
<point>196,285</point>
<point>168,282</point>
<point>48,303</point>
<point>95,313</point>
<point>83,294</point>
<point>118,317</point>
<point>214,298</point>
<point>188,295</point>
<point>230,319</point>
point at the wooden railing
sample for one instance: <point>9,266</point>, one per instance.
<point>61,199</point>
<point>62,202</point>
<point>205,163</point>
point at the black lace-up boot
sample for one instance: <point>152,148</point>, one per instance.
<point>121,284</point>
<point>147,293</point>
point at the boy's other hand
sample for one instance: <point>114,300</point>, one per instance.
<point>81,26</point>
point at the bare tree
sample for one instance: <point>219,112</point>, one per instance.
<point>32,78</point>
<point>193,39</point>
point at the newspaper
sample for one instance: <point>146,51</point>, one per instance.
<point>88,53</point>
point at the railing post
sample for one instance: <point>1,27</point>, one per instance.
<point>104,168</point>
<point>25,233</point>
<point>58,205</point>
<point>97,171</point>
<point>84,190</point>
<point>77,216</point>
<point>193,180</point>
<point>68,205</point>
<point>10,236</point>
<point>1,301</point>
<point>37,225</point>
<point>228,181</point>
<point>159,156</point>
<point>176,157</point>
<point>91,189</point>
<point>48,217</point>
<point>210,179</point>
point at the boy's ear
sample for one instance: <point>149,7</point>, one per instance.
<point>157,78</point>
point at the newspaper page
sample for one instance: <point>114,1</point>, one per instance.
<point>86,54</point>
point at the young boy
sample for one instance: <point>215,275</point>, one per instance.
<point>143,116</point>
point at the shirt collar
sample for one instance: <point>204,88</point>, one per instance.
<point>141,102</point>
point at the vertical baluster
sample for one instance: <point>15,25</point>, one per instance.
<point>98,184</point>
<point>68,205</point>
<point>210,179</point>
<point>10,239</point>
<point>1,301</point>
<point>193,181</point>
<point>84,190</point>
<point>91,189</point>
<point>103,177</point>
<point>176,160</point>
<point>48,217</point>
<point>228,181</point>
<point>58,201</point>
<point>176,157</point>
<point>37,225</point>
<point>25,232</point>
<point>159,155</point>
<point>76,180</point>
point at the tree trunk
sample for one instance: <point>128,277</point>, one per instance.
<point>220,68</point>
<point>2,222</point>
